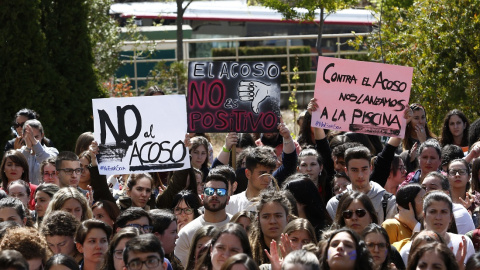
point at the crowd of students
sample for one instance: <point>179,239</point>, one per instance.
<point>329,200</point>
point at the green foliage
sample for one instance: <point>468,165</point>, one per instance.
<point>104,34</point>
<point>440,40</point>
<point>168,76</point>
<point>47,65</point>
<point>303,63</point>
<point>22,55</point>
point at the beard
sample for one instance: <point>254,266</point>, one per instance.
<point>220,206</point>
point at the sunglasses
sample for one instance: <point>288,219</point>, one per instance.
<point>17,125</point>
<point>347,214</point>
<point>208,191</point>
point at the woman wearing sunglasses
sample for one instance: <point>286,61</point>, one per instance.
<point>355,211</point>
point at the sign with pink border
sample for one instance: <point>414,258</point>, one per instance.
<point>362,97</point>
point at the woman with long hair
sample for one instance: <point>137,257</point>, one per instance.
<point>69,199</point>
<point>231,239</point>
<point>429,160</point>
<point>433,256</point>
<point>308,203</point>
<point>113,259</point>
<point>377,242</point>
<point>455,129</point>
<point>186,206</point>
<point>355,211</point>
<point>438,214</point>
<point>43,196</point>
<point>105,211</point>
<point>139,189</point>
<point>345,250</point>
<point>92,239</point>
<point>199,154</point>
<point>417,130</point>
<point>300,232</point>
<point>311,163</point>
<point>14,167</point>
<point>459,178</point>
<point>199,241</point>
<point>274,212</point>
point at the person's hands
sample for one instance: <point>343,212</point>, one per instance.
<point>312,105</point>
<point>284,131</point>
<point>461,253</point>
<point>253,91</point>
<point>187,141</point>
<point>469,200</point>
<point>421,133</point>
<point>413,152</point>
<point>93,152</point>
<point>407,216</point>
<point>286,245</point>
<point>408,114</point>
<point>273,256</point>
<point>29,137</point>
<point>90,195</point>
<point>230,140</point>
<point>161,189</point>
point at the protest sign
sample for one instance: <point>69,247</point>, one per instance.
<point>233,96</point>
<point>361,97</point>
<point>141,134</point>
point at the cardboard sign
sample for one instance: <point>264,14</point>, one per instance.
<point>141,134</point>
<point>233,96</point>
<point>362,97</point>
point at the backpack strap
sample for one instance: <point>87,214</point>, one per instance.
<point>386,197</point>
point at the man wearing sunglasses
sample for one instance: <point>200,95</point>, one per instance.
<point>215,198</point>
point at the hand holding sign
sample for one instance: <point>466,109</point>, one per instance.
<point>253,91</point>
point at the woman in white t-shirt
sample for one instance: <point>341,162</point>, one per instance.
<point>438,214</point>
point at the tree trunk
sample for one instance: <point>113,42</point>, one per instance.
<point>180,12</point>
<point>320,32</point>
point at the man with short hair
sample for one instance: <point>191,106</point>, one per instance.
<point>215,198</point>
<point>164,224</point>
<point>260,164</point>
<point>359,170</point>
<point>59,230</point>
<point>134,217</point>
<point>142,250</point>
<point>68,169</point>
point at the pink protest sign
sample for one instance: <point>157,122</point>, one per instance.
<point>362,97</point>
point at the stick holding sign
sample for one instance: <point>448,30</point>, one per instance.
<point>140,134</point>
<point>361,97</point>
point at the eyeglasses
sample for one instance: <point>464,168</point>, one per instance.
<point>381,246</point>
<point>208,191</point>
<point>347,214</point>
<point>118,254</point>
<point>70,171</point>
<point>454,172</point>
<point>51,175</point>
<point>144,228</point>
<point>187,211</point>
<point>136,264</point>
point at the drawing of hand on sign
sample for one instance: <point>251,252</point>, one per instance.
<point>253,91</point>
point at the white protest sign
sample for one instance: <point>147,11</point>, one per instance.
<point>141,134</point>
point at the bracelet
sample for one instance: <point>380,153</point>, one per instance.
<point>224,149</point>
<point>28,149</point>
<point>287,142</point>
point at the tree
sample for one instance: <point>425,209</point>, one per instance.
<point>304,10</point>
<point>180,11</point>
<point>440,40</point>
<point>22,61</point>
<point>69,52</point>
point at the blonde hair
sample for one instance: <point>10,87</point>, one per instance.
<point>63,195</point>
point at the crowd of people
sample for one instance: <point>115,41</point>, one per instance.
<point>328,200</point>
